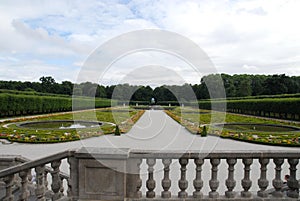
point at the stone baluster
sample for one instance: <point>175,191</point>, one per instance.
<point>46,180</point>
<point>213,182</point>
<point>150,184</point>
<point>9,180</point>
<point>56,182</point>
<point>166,182</point>
<point>24,193</point>
<point>198,183</point>
<point>40,186</point>
<point>62,189</point>
<point>139,180</point>
<point>183,183</point>
<point>246,182</point>
<point>230,182</point>
<point>262,181</point>
<point>277,182</point>
<point>292,182</point>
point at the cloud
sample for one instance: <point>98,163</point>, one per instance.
<point>237,35</point>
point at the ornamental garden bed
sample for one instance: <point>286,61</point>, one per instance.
<point>52,128</point>
<point>239,127</point>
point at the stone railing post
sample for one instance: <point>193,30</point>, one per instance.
<point>198,182</point>
<point>133,180</point>
<point>8,186</point>
<point>277,182</point>
<point>73,179</point>
<point>292,182</point>
<point>56,181</point>
<point>40,186</point>
<point>101,173</point>
<point>262,181</point>
<point>230,182</point>
<point>166,182</point>
<point>183,183</point>
<point>246,182</point>
<point>150,182</point>
<point>24,194</point>
<point>214,182</point>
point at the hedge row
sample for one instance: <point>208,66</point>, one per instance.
<point>284,108</point>
<point>33,93</point>
<point>297,95</point>
<point>14,104</point>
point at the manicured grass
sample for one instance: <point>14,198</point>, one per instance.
<point>194,120</point>
<point>124,117</point>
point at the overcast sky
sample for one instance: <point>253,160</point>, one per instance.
<point>56,37</point>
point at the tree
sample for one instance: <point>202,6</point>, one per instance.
<point>47,84</point>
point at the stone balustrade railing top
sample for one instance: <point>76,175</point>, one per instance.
<point>119,174</point>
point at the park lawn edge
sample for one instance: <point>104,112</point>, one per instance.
<point>74,136</point>
<point>225,133</point>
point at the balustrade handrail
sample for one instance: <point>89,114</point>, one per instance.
<point>220,154</point>
<point>32,164</point>
<point>83,160</point>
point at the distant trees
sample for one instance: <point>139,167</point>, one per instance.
<point>235,86</point>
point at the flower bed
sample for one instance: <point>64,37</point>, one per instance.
<point>271,137</point>
<point>11,131</point>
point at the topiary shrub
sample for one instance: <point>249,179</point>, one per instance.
<point>117,131</point>
<point>204,132</point>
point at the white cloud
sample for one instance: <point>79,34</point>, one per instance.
<point>239,36</point>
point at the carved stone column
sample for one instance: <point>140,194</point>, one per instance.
<point>214,183</point>
<point>56,182</point>
<point>230,182</point>
<point>293,183</point>
<point>166,182</point>
<point>183,183</point>
<point>277,182</point>
<point>150,184</point>
<point>8,186</point>
<point>262,181</point>
<point>246,182</point>
<point>24,193</point>
<point>198,183</point>
<point>40,186</point>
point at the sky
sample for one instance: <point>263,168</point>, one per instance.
<point>55,38</point>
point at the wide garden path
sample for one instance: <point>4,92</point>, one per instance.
<point>154,131</point>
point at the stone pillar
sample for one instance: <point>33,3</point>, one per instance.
<point>277,182</point>
<point>198,182</point>
<point>56,182</point>
<point>166,182</point>
<point>183,183</point>
<point>150,183</point>
<point>133,180</point>
<point>246,181</point>
<point>24,193</point>
<point>73,180</point>
<point>230,182</point>
<point>292,182</point>
<point>101,173</point>
<point>40,186</point>
<point>262,181</point>
<point>214,182</point>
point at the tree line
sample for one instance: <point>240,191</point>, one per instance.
<point>241,85</point>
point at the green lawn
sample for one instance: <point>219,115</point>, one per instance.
<point>124,117</point>
<point>195,120</point>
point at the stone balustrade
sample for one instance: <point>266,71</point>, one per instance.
<point>19,178</point>
<point>119,174</point>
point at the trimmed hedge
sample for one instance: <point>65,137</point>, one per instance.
<point>284,108</point>
<point>15,104</point>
